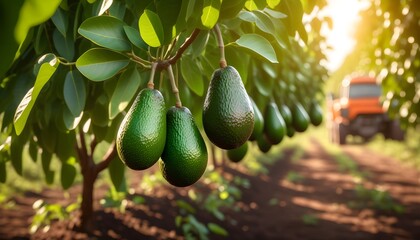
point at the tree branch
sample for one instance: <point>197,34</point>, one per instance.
<point>93,145</point>
<point>183,47</point>
<point>82,150</point>
<point>108,157</point>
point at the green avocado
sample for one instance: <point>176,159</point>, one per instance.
<point>237,154</point>
<point>286,114</point>
<point>274,127</point>
<point>184,158</point>
<point>290,131</point>
<point>142,133</point>
<point>228,117</point>
<point>258,122</point>
<point>263,144</point>
<point>315,113</point>
<point>300,118</point>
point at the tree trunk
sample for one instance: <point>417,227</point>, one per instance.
<point>87,213</point>
<point>90,171</point>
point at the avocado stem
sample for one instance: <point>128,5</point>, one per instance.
<point>150,83</point>
<point>175,90</point>
<point>219,38</point>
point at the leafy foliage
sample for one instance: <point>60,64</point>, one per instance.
<point>388,37</point>
<point>69,72</point>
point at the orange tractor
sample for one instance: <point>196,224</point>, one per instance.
<point>359,112</point>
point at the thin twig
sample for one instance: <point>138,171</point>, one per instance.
<point>150,84</point>
<point>175,90</point>
<point>184,47</point>
<point>219,38</point>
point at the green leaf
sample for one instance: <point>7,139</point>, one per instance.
<point>3,172</point>
<point>33,150</point>
<point>199,44</point>
<point>62,149</point>
<point>252,5</point>
<point>25,106</point>
<point>99,64</point>
<point>118,9</point>
<point>273,3</point>
<point>275,14</point>
<point>210,15</point>
<point>294,10</point>
<point>302,33</point>
<point>135,38</point>
<point>168,12</point>
<point>105,31</point>
<point>61,21</point>
<point>264,23</point>
<point>259,45</point>
<point>64,44</point>
<point>190,10</point>
<point>238,59</point>
<point>192,75</point>
<point>262,80</point>
<point>151,29</point>
<point>68,173</point>
<point>117,172</point>
<point>230,9</point>
<point>70,121</point>
<point>16,149</point>
<point>32,13</point>
<point>126,88</point>
<point>46,161</point>
<point>74,92</point>
<point>217,229</point>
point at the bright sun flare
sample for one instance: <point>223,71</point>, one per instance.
<point>344,14</point>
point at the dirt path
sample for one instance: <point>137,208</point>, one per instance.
<point>315,207</point>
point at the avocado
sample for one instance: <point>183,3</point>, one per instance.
<point>286,114</point>
<point>228,117</point>
<point>142,133</point>
<point>290,131</point>
<point>184,158</point>
<point>258,122</point>
<point>315,113</point>
<point>237,154</point>
<point>274,127</point>
<point>300,118</point>
<point>263,144</point>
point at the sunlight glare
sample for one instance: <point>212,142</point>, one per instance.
<point>344,14</point>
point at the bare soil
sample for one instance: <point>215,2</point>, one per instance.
<point>318,207</point>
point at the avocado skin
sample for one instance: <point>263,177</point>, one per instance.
<point>142,133</point>
<point>185,156</point>
<point>286,114</point>
<point>228,117</point>
<point>300,118</point>
<point>263,144</point>
<point>274,127</point>
<point>315,113</point>
<point>258,122</point>
<point>237,154</point>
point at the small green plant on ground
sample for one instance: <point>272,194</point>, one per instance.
<point>407,151</point>
<point>46,213</point>
<point>375,198</point>
<point>310,219</point>
<point>294,177</point>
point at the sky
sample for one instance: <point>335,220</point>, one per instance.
<point>345,16</point>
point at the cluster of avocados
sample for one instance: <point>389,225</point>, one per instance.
<point>275,122</point>
<point>231,118</point>
<point>149,132</point>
